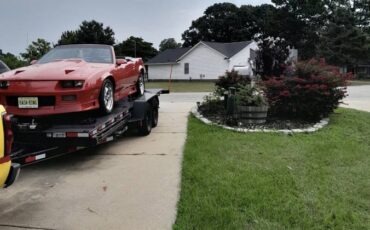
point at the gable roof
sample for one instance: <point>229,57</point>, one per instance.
<point>168,56</point>
<point>228,49</point>
<point>173,55</point>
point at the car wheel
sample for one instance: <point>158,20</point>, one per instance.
<point>106,98</point>
<point>140,85</point>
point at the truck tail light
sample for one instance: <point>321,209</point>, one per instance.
<point>8,133</point>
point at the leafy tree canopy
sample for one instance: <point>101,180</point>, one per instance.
<point>321,18</point>
<point>271,57</point>
<point>225,22</point>
<point>341,42</point>
<point>68,37</point>
<point>301,23</point>
<point>36,50</point>
<point>89,32</point>
<point>221,22</point>
<point>135,47</point>
<point>12,61</point>
<point>169,43</point>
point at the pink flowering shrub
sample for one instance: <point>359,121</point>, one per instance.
<point>311,91</point>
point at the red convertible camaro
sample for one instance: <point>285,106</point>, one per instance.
<point>71,78</point>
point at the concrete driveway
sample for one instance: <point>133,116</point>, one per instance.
<point>359,98</point>
<point>132,183</point>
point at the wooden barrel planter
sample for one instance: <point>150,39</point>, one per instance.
<point>252,114</point>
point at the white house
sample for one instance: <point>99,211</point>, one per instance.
<point>204,61</point>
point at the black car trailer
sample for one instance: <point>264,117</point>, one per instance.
<point>38,139</point>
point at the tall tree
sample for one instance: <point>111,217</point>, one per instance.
<point>89,32</point>
<point>225,22</point>
<point>361,9</point>
<point>12,61</point>
<point>302,24</point>
<point>68,37</point>
<point>36,50</point>
<point>136,47</point>
<point>320,16</point>
<point>169,43</point>
<point>221,22</point>
<point>305,19</point>
<point>271,57</point>
<point>341,42</point>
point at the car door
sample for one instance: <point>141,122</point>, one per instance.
<point>122,74</point>
<point>131,70</point>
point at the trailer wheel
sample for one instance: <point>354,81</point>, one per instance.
<point>145,126</point>
<point>155,117</point>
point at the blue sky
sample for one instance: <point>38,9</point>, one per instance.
<point>22,21</point>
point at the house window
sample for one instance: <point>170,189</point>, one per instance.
<point>186,68</point>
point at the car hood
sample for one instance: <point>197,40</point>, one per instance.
<point>58,70</point>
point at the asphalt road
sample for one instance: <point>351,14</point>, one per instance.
<point>358,98</point>
<point>132,183</point>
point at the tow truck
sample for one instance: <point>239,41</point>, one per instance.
<point>42,138</point>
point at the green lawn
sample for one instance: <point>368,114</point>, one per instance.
<point>207,86</point>
<point>275,181</point>
<point>183,86</point>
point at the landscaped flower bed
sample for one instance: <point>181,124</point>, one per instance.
<point>307,94</point>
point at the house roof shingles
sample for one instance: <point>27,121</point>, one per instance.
<point>172,55</point>
<point>228,49</point>
<point>168,56</point>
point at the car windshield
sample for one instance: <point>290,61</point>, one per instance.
<point>88,54</point>
<point>3,68</point>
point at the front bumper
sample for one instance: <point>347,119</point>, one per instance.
<point>85,99</point>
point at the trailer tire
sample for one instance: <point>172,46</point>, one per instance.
<point>154,117</point>
<point>145,126</point>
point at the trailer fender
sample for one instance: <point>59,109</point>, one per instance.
<point>140,108</point>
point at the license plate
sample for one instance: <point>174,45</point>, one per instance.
<point>28,102</point>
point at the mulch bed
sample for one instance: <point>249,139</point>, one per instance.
<point>220,117</point>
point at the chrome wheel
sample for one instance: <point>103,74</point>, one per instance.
<point>141,84</point>
<point>108,96</point>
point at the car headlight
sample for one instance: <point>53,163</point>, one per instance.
<point>4,84</point>
<point>72,83</point>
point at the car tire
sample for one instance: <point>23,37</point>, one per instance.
<point>140,85</point>
<point>106,97</point>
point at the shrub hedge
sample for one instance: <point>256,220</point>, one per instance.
<point>311,91</point>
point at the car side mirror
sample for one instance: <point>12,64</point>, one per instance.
<point>33,62</point>
<point>121,61</point>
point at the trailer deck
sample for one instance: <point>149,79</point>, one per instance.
<point>37,139</point>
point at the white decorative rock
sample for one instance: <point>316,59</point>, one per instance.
<point>321,124</point>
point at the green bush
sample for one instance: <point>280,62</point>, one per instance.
<point>311,92</point>
<point>212,104</point>
<point>230,79</point>
<point>250,96</point>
